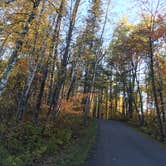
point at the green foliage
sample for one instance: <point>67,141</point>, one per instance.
<point>77,151</point>
<point>25,136</point>
<point>23,144</point>
<point>67,142</point>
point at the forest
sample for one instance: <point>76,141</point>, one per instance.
<point>60,71</point>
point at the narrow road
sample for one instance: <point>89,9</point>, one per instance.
<point>120,145</point>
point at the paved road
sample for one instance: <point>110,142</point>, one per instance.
<point>120,145</point>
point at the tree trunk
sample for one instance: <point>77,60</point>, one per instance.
<point>32,72</point>
<point>72,82</point>
<point>40,96</point>
<point>136,107</point>
<point>106,104</point>
<point>95,107</point>
<point>25,96</point>
<point>140,100</point>
<point>64,62</point>
<point>54,48</point>
<point>99,107</point>
<point>124,101</point>
<point>160,89</point>
<point>160,125</point>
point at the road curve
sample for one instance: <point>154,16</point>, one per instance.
<point>120,145</point>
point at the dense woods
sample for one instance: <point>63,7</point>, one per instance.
<point>57,73</point>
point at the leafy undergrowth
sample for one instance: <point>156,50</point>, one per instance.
<point>67,143</point>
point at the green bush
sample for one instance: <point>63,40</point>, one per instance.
<point>25,144</point>
<point>13,161</point>
<point>25,137</point>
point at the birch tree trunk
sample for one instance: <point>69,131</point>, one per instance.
<point>25,96</point>
<point>54,48</point>
<point>32,72</point>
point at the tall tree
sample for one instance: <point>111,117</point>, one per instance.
<point>18,45</point>
<point>64,61</point>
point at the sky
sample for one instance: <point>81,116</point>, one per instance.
<point>123,7</point>
<point>119,9</point>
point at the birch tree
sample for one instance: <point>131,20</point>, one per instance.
<point>18,45</point>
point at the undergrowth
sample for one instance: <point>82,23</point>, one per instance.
<point>66,143</point>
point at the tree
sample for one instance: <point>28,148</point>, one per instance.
<point>18,45</point>
<point>64,62</point>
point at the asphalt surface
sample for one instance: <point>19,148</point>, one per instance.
<point>120,145</point>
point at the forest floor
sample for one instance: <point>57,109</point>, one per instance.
<point>118,144</point>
